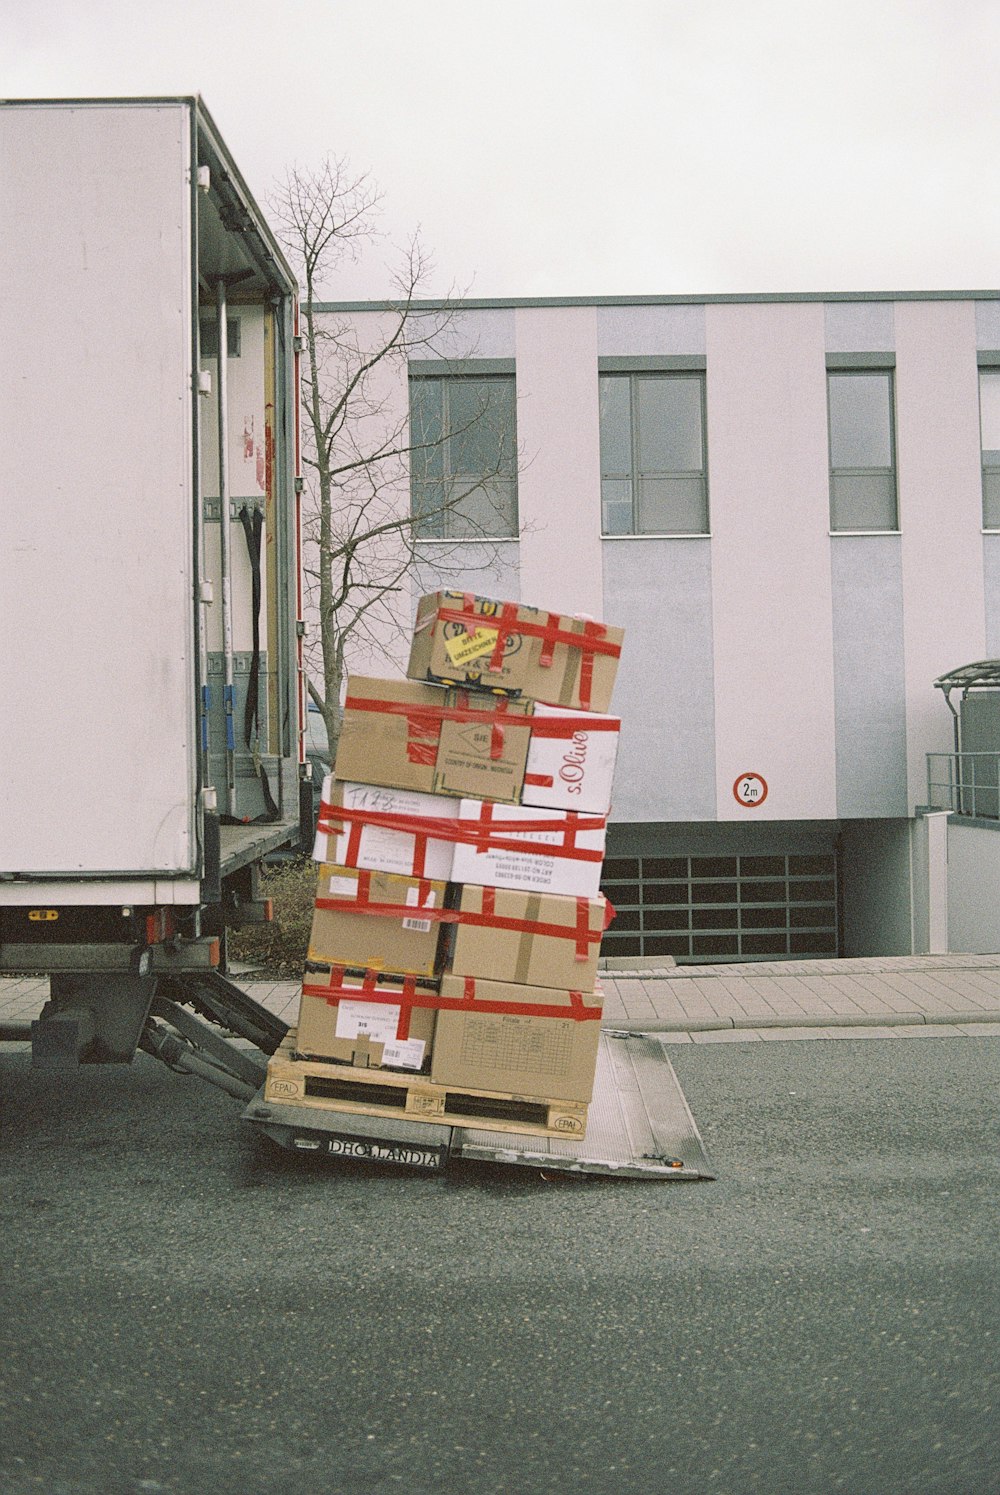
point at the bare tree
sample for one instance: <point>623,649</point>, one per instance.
<point>360,531</point>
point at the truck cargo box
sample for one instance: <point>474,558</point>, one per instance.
<point>149,573</point>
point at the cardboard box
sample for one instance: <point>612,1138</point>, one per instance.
<point>460,639</point>
<point>339,1019</point>
<point>351,925</point>
<point>373,834</point>
<point>574,770</point>
<point>569,859</point>
<point>513,1048</point>
<point>404,735</point>
<point>531,939</point>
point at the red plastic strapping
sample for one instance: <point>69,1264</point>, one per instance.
<point>431,717</point>
<point>487,918</point>
<point>592,640</point>
<point>409,998</point>
<point>506,623</point>
<point>548,642</point>
<point>484,833</point>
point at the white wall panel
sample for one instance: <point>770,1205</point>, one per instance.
<point>771,589</point>
<point>944,613</point>
<point>96,586</point>
<point>559,487</point>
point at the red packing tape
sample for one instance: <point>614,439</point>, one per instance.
<point>409,998</point>
<point>488,918</point>
<point>481,833</point>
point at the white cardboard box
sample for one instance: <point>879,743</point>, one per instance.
<point>384,847</point>
<point>557,868</point>
<point>572,772</point>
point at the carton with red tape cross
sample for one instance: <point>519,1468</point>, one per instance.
<point>376,919</point>
<point>571,759</point>
<point>366,1018</point>
<point>385,830</point>
<point>537,850</point>
<point>531,1041</point>
<point>405,735</point>
<point>460,638</point>
<point>531,939</point>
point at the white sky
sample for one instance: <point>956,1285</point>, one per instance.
<point>590,147</point>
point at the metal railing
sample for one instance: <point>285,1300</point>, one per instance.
<point>965,784</point>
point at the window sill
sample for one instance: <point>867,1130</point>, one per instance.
<point>471,540</point>
<point>854,533</point>
<point>701,534</point>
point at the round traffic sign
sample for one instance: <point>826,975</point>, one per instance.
<point>750,790</point>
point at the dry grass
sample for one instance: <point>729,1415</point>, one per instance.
<point>279,948</point>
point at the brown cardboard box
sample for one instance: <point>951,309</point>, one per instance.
<point>517,1050</point>
<point>406,735</point>
<point>531,939</point>
<point>347,932</point>
<point>455,638</point>
<point>339,1019</point>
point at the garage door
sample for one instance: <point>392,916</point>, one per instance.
<point>722,908</point>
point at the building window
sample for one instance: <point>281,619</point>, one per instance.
<point>463,462</point>
<point>862,451</point>
<point>989,424</point>
<point>653,454</point>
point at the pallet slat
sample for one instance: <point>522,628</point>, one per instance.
<point>316,1085</point>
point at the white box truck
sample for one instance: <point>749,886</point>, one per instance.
<point>151,748</point>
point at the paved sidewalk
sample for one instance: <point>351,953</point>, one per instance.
<point>893,997</point>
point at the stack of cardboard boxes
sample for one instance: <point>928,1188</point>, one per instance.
<point>458,914</point>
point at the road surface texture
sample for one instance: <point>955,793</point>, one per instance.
<point>183,1311</point>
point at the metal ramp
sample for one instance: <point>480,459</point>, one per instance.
<point>639,1126</point>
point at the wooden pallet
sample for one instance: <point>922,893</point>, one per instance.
<point>326,1086</point>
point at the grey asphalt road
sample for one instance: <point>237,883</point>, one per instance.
<point>183,1312</point>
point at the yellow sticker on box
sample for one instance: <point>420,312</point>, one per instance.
<point>465,647</point>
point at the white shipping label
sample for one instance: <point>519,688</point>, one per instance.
<point>342,887</point>
<point>404,1054</point>
<point>419,926</point>
<point>373,1020</point>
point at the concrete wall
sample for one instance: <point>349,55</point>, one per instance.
<point>973,888</point>
<point>559,487</point>
<point>771,589</point>
<point>940,514</point>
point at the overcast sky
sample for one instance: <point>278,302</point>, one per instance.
<point>581,147</point>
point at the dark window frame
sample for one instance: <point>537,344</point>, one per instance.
<point>863,370</point>
<point>448,522</point>
<point>635,474</point>
<point>989,471</point>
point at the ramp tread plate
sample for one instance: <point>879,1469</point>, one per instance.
<point>639,1125</point>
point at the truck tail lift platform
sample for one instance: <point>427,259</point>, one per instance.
<point>640,1126</point>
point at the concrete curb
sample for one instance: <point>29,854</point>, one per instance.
<point>803,1020</point>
